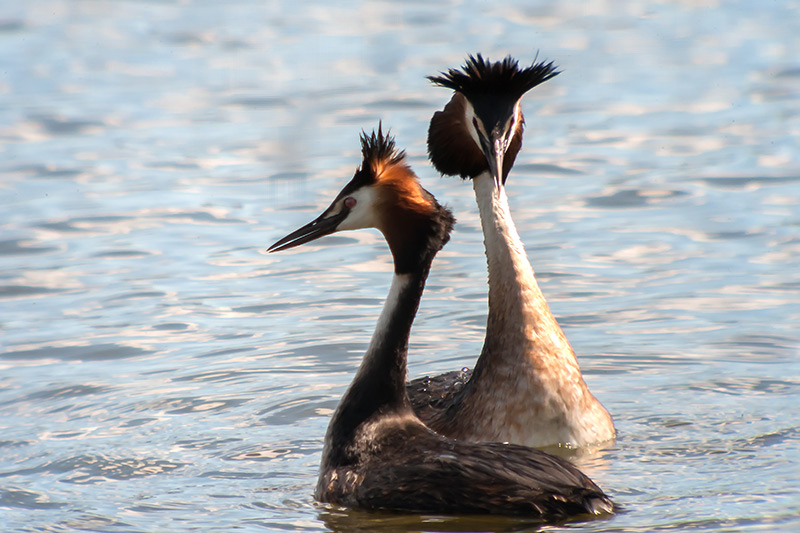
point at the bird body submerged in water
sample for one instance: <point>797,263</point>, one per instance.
<point>526,386</point>
<point>377,452</point>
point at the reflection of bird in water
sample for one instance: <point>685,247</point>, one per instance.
<point>342,520</point>
<point>378,454</point>
<point>527,386</point>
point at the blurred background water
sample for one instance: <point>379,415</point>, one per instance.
<point>160,372</point>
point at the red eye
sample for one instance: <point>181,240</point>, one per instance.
<point>349,202</point>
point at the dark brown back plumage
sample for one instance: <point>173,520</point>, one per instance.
<point>377,453</point>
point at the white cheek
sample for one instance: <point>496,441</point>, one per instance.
<point>512,124</point>
<point>469,117</point>
<point>362,215</point>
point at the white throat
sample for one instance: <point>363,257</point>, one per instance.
<point>529,389</point>
<point>520,321</point>
<point>399,283</point>
<point>504,248</point>
<point>383,327</point>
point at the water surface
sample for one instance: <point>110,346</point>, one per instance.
<point>160,372</point>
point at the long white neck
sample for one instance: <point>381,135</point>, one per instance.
<point>385,358</point>
<point>379,383</point>
<point>527,387</point>
<point>520,324</point>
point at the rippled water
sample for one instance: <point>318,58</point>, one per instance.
<point>160,372</point>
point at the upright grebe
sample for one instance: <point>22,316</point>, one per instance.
<point>526,387</point>
<point>378,454</point>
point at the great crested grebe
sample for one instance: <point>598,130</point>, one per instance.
<point>526,387</point>
<point>377,453</point>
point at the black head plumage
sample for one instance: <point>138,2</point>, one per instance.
<point>493,90</point>
<point>380,147</point>
<point>377,148</point>
<point>481,76</point>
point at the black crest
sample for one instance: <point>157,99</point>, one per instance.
<point>480,76</point>
<point>378,147</point>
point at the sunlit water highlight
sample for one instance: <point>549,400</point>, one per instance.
<point>160,372</point>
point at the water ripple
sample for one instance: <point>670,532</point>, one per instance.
<point>92,469</point>
<point>96,352</point>
<point>162,372</point>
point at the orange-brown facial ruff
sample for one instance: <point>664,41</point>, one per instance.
<point>485,107</point>
<point>451,147</point>
<point>386,184</point>
<point>405,211</point>
<point>385,194</point>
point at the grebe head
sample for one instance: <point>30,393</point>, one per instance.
<point>384,194</point>
<point>480,128</point>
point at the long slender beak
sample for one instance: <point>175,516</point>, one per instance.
<point>499,123</point>
<point>499,146</point>
<point>494,150</point>
<point>325,224</point>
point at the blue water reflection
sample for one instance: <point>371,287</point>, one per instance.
<point>160,372</point>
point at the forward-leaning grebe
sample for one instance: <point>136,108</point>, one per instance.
<point>526,387</point>
<point>378,454</point>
